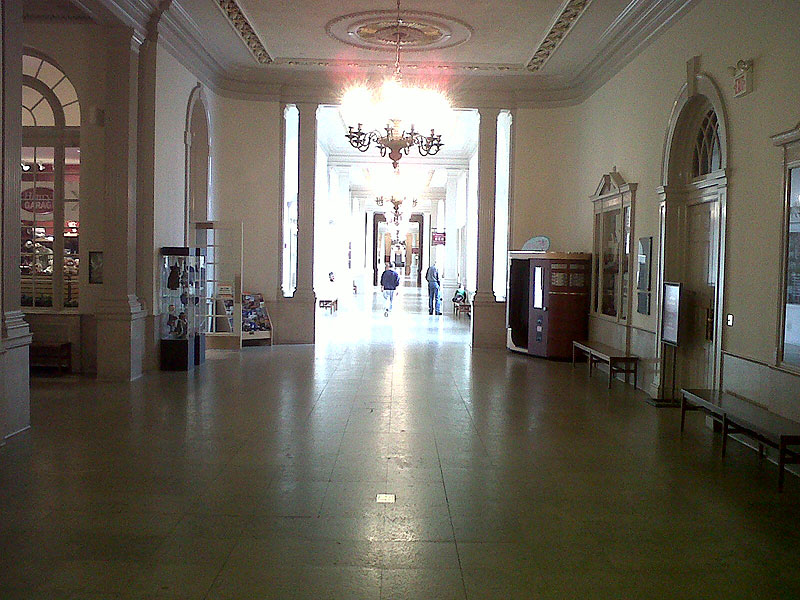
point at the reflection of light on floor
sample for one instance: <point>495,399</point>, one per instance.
<point>360,319</point>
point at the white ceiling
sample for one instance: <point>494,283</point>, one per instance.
<point>491,66</point>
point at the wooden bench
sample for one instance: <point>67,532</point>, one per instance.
<point>738,415</point>
<point>51,354</point>
<point>598,352</point>
<point>331,304</point>
<point>462,308</point>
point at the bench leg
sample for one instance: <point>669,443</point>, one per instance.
<point>591,363</point>
<point>724,433</point>
<point>635,374</point>
<point>760,451</point>
<point>610,373</point>
<point>781,463</point>
<point>683,411</point>
<point>573,357</point>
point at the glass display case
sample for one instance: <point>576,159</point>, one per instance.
<point>181,320</point>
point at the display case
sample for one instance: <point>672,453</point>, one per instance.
<point>181,321</point>
<point>547,302</point>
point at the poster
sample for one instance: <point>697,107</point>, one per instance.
<point>670,315</point>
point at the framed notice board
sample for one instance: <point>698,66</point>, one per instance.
<point>670,313</point>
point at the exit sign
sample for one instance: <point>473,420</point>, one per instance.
<point>743,83</point>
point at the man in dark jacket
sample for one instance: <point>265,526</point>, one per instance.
<point>389,282</point>
<point>434,297</point>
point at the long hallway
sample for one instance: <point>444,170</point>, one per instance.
<point>256,476</point>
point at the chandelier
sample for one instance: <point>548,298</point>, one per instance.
<point>398,110</point>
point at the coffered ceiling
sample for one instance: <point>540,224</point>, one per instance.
<point>519,52</point>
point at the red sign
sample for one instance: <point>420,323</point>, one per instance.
<point>37,200</point>
<point>438,238</point>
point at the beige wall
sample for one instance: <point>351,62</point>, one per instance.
<point>561,154</point>
<point>245,174</point>
<point>174,85</point>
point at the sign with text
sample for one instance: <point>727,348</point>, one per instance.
<point>438,238</point>
<point>670,313</point>
<point>37,200</point>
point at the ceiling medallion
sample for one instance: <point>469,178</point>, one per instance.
<point>561,27</point>
<point>377,30</point>
<point>239,21</point>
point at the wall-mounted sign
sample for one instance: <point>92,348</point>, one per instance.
<point>539,243</point>
<point>670,313</point>
<point>742,74</point>
<point>438,238</point>
<point>37,200</point>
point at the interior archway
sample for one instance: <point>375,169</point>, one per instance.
<point>692,227</point>
<point>198,150</point>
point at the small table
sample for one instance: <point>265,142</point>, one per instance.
<point>738,415</point>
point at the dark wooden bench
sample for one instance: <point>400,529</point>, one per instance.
<point>618,361</point>
<point>331,304</point>
<point>738,415</point>
<point>51,354</point>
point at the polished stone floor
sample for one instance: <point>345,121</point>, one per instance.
<point>256,477</point>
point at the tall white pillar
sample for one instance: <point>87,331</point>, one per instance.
<point>15,335</point>
<point>120,316</point>
<point>450,270</point>
<point>295,318</point>
<point>488,315</point>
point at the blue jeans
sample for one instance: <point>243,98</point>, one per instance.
<point>434,298</point>
<point>389,296</point>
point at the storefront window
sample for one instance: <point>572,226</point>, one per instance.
<point>50,187</point>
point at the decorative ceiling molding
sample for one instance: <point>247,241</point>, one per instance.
<point>564,22</point>
<point>408,67</point>
<point>238,20</point>
<point>419,31</point>
<point>640,23</point>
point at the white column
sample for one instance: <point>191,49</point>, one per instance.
<point>295,318</point>
<point>488,315</point>
<point>120,317</point>
<point>14,332</point>
<point>450,270</point>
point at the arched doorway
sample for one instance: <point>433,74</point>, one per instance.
<point>692,222</point>
<point>197,161</point>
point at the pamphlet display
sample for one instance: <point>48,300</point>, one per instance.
<point>256,324</point>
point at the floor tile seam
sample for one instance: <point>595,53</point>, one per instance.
<point>222,567</point>
<point>472,420</point>
<point>450,517</point>
<point>336,461</point>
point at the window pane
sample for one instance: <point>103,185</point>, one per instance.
<point>625,253</point>
<point>72,178</point>
<point>36,212</point>
<point>610,258</point>
<point>791,332</point>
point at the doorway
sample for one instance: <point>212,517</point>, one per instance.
<point>693,199</point>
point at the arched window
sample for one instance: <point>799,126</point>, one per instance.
<point>50,185</point>
<point>707,156</point>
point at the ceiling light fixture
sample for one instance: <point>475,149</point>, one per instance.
<point>399,110</point>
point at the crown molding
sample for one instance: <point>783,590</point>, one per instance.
<point>635,28</point>
<point>483,85</point>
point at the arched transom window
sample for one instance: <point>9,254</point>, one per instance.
<point>707,156</point>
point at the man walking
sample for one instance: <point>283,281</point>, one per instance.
<point>389,282</point>
<point>434,297</point>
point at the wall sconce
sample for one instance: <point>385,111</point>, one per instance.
<point>742,75</point>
